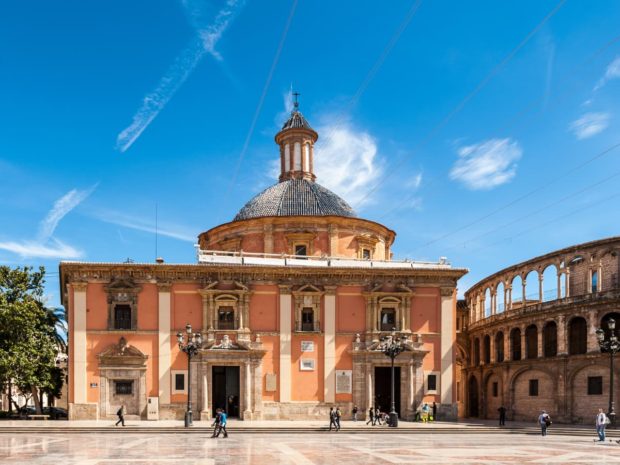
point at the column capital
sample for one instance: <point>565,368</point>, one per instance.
<point>330,290</point>
<point>79,286</point>
<point>164,286</point>
<point>285,288</point>
<point>446,291</point>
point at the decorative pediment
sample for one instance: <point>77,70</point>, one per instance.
<point>120,284</point>
<point>308,289</point>
<point>122,354</point>
<point>389,288</point>
<point>226,343</point>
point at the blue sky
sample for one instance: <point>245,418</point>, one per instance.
<point>476,131</point>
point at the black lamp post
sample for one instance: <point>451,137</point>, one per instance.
<point>612,346</point>
<point>391,346</point>
<point>194,341</point>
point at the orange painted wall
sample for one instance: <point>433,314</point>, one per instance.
<point>97,343</point>
<point>351,310</point>
<point>147,307</point>
<point>344,361</point>
<point>425,310</point>
<point>178,361</point>
<point>271,364</point>
<point>186,307</point>
<point>264,308</point>
<point>253,243</point>
<point>96,307</point>
<point>307,385</point>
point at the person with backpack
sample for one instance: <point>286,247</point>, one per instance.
<point>121,415</point>
<point>545,421</point>
<point>332,419</point>
<point>216,423</point>
<point>602,421</point>
<point>338,415</point>
<point>371,416</point>
<point>355,413</point>
<point>222,425</point>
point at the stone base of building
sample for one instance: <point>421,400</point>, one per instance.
<point>83,411</point>
<point>447,412</point>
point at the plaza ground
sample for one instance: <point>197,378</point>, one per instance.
<point>413,444</point>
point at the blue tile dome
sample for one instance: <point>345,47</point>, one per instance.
<point>295,197</point>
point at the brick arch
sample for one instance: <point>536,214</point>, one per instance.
<point>524,406</point>
<point>491,404</point>
<point>583,407</point>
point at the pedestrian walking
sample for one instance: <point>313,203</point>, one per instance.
<point>222,425</point>
<point>371,416</point>
<point>601,422</point>
<point>332,419</point>
<point>434,411</point>
<point>216,423</point>
<point>502,415</point>
<point>545,421</point>
<point>425,412</point>
<point>355,413</point>
<point>378,416</point>
<point>338,415</point>
<point>121,415</point>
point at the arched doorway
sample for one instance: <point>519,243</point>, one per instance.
<point>473,397</point>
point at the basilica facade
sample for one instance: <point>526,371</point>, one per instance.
<point>292,299</point>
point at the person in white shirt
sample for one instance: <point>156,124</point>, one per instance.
<point>601,423</point>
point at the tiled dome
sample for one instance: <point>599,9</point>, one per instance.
<point>295,197</point>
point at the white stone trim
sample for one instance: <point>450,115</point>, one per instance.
<point>164,360</point>
<point>173,374</point>
<point>285,347</point>
<point>79,346</point>
<point>446,379</point>
<point>330,349</point>
<point>437,389</point>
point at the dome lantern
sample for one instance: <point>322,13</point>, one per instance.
<point>296,140</point>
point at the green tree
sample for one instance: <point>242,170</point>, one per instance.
<point>28,336</point>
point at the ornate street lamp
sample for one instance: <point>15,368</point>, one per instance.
<point>611,345</point>
<point>391,346</point>
<point>194,341</point>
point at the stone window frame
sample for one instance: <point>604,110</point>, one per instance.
<point>391,303</point>
<point>130,382</point>
<point>599,385</point>
<point>399,298</point>
<point>307,296</point>
<point>301,238</point>
<point>213,298</point>
<point>122,291</point>
<point>437,389</point>
<point>366,242</point>
<point>173,375</point>
<point>226,300</point>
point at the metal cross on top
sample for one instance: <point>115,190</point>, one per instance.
<point>296,103</point>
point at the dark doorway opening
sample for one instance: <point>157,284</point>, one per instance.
<point>383,380</point>
<point>473,397</point>
<point>226,389</point>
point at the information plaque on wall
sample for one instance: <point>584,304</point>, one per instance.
<point>343,381</point>
<point>307,346</point>
<point>271,382</point>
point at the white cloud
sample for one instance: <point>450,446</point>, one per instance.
<point>487,164</point>
<point>61,207</point>
<point>139,224</point>
<point>612,72</point>
<point>590,124</point>
<point>346,162</point>
<point>415,182</point>
<point>52,249</point>
<point>184,64</point>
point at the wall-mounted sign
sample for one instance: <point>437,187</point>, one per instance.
<point>343,381</point>
<point>93,385</point>
<point>306,364</point>
<point>307,346</point>
<point>271,382</point>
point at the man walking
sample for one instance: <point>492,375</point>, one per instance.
<point>544,420</point>
<point>338,415</point>
<point>216,423</point>
<point>222,425</point>
<point>121,415</point>
<point>371,416</point>
<point>332,419</point>
<point>434,408</point>
<point>601,423</point>
<point>355,413</point>
<point>502,415</point>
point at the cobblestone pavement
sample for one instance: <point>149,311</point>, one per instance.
<point>302,449</point>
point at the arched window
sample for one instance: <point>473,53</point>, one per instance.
<point>577,336</point>
<point>532,291</point>
<point>307,156</point>
<point>487,303</point>
<point>515,343</point>
<point>297,157</point>
<point>517,292</point>
<point>550,283</point>
<point>499,347</point>
<point>550,339</point>
<point>487,349</point>
<point>287,158</point>
<point>476,352</point>
<point>594,282</point>
<point>500,305</point>
<point>531,341</point>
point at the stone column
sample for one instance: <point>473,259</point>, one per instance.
<point>411,387</point>
<point>164,360</point>
<point>329,338</point>
<point>540,287</point>
<point>247,413</point>
<point>505,299</point>
<point>567,281</point>
<point>539,341</point>
<point>407,314</point>
<point>559,285</point>
<point>205,408</point>
<point>332,230</point>
<point>370,401</point>
<point>507,352</point>
<point>268,238</point>
<point>523,298</point>
<point>593,323</point>
<point>447,397</point>
<point>285,344</point>
<point>79,343</point>
<point>492,358</point>
<point>509,304</point>
<point>523,344</point>
<point>562,336</point>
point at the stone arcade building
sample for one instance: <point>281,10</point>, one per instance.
<point>530,342</point>
<point>292,298</point>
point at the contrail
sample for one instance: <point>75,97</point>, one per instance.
<point>177,74</point>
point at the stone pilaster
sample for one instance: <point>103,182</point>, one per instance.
<point>163,341</point>
<point>329,350</point>
<point>285,344</point>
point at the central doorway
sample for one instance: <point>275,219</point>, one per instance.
<point>226,389</point>
<point>383,383</point>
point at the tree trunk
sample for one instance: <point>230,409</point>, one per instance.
<point>37,401</point>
